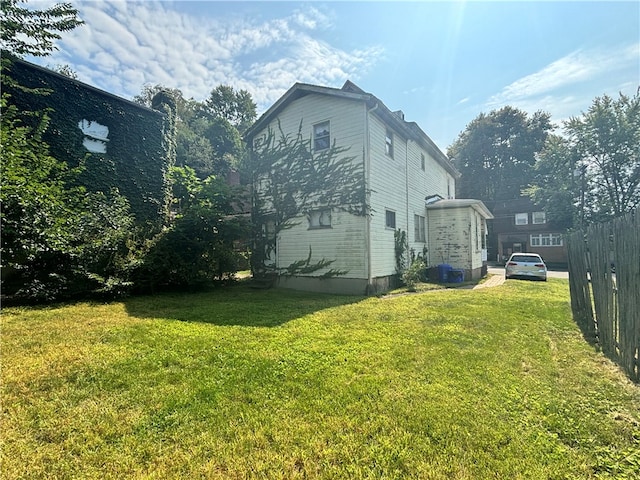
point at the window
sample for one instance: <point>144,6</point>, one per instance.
<point>321,136</point>
<point>418,226</point>
<point>522,218</point>
<point>389,143</point>
<point>320,218</point>
<point>390,219</point>
<point>422,161</point>
<point>546,240</point>
<point>538,218</point>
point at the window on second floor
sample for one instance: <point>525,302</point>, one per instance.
<point>422,161</point>
<point>388,147</point>
<point>538,218</point>
<point>522,218</point>
<point>419,230</point>
<point>390,219</point>
<point>321,136</point>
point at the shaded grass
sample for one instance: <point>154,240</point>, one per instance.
<point>494,383</point>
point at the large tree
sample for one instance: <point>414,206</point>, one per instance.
<point>496,153</point>
<point>592,173</point>
<point>606,143</point>
<point>207,139</point>
<point>235,106</point>
<point>556,184</point>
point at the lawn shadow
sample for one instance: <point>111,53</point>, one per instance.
<point>237,305</point>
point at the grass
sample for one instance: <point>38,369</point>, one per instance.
<point>236,383</point>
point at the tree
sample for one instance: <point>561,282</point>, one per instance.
<point>32,32</point>
<point>555,186</point>
<point>236,107</point>
<point>592,173</point>
<point>496,153</point>
<point>198,247</point>
<point>606,142</point>
<point>65,70</point>
<point>207,140</point>
<point>289,181</point>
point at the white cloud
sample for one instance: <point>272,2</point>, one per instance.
<point>126,44</point>
<point>577,67</point>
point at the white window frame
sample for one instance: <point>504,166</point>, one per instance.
<point>522,219</point>
<point>546,240</point>
<point>388,142</point>
<point>321,136</point>
<point>320,218</point>
<point>419,230</point>
<point>387,216</point>
<point>538,218</point>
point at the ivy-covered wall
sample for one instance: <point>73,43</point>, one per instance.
<point>139,148</point>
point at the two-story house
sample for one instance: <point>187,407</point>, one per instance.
<point>521,226</point>
<point>409,184</point>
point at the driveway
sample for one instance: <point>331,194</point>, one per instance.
<point>550,273</point>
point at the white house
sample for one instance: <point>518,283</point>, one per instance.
<point>405,176</point>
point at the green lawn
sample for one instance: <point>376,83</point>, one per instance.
<point>237,383</point>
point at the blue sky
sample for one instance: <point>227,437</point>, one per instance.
<point>442,63</point>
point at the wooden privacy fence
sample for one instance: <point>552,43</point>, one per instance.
<point>604,281</point>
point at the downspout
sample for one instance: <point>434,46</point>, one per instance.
<point>406,191</point>
<point>367,167</point>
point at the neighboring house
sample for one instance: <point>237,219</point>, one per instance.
<point>402,169</point>
<point>520,226</point>
<point>119,143</point>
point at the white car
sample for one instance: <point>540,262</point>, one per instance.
<point>525,265</point>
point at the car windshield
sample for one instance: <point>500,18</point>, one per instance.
<point>526,259</point>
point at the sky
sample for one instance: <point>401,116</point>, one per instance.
<point>441,63</point>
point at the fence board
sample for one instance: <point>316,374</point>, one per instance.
<point>614,320</point>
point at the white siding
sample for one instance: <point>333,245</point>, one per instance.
<point>344,242</point>
<point>388,192</point>
<point>449,234</point>
<point>400,184</point>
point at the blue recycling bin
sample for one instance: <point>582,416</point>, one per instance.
<point>456,275</point>
<point>443,272</point>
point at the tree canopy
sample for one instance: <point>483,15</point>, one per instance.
<point>496,153</point>
<point>592,173</point>
<point>208,138</point>
<point>25,31</point>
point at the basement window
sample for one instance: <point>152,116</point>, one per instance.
<point>320,219</point>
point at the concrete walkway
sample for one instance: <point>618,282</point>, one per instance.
<point>492,281</point>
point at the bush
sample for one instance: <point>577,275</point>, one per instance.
<point>414,274</point>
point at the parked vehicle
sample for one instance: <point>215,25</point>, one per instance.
<point>525,265</point>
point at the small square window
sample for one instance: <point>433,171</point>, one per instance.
<point>321,136</point>
<point>389,143</point>
<point>320,218</point>
<point>522,219</point>
<point>390,219</point>
<point>538,218</point>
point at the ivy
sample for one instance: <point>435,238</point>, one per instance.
<point>142,146</point>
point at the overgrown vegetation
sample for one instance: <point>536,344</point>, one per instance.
<point>78,223</point>
<point>238,383</point>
